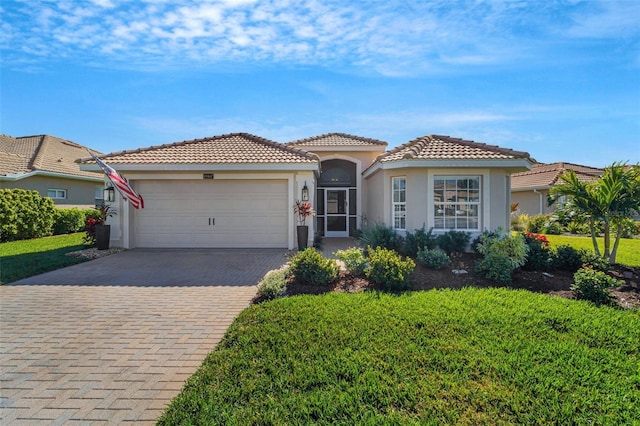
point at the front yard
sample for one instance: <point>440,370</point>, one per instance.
<point>25,258</point>
<point>470,356</point>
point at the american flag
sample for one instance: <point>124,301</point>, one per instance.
<point>121,183</point>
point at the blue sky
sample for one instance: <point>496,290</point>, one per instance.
<point>558,79</point>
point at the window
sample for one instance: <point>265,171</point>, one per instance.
<point>399,202</point>
<point>457,202</point>
<point>57,194</point>
<point>99,197</point>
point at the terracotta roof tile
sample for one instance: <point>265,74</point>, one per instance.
<point>546,175</point>
<point>225,149</point>
<point>437,147</point>
<point>41,153</point>
<point>337,139</point>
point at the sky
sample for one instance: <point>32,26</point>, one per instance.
<point>557,79</point>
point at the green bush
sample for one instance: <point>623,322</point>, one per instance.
<point>273,284</point>
<point>353,259</point>
<point>537,223</point>
<point>595,262</point>
<point>592,285</point>
<point>568,258</point>
<point>553,228</point>
<point>485,235</point>
<point>380,235</point>
<point>495,267</point>
<point>502,255</point>
<point>415,241</point>
<point>630,227</point>
<point>310,267</point>
<point>434,259</point>
<point>539,254</point>
<point>69,221</point>
<point>454,241</point>
<point>25,214</point>
<point>387,268</point>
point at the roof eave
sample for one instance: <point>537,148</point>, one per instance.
<point>20,176</point>
<point>512,165</point>
<point>340,148</point>
<point>172,167</point>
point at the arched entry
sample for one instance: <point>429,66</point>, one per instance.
<point>337,198</point>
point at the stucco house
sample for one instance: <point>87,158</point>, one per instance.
<point>48,165</point>
<point>238,190</point>
<point>530,189</point>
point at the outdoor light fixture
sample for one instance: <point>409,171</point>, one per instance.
<point>109,194</point>
<point>305,192</point>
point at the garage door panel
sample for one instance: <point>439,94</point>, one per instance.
<point>246,213</point>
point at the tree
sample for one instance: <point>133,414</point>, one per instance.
<point>609,199</point>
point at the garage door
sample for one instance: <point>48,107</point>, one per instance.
<point>212,213</point>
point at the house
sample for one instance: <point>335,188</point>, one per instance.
<point>238,190</point>
<point>48,165</point>
<point>530,189</point>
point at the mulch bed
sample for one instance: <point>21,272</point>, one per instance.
<point>556,283</point>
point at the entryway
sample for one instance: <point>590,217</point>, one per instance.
<point>337,199</point>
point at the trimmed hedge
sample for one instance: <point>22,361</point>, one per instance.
<point>24,214</point>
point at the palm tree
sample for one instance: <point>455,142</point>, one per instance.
<point>614,196</point>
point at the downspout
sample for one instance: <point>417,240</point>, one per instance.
<point>540,196</point>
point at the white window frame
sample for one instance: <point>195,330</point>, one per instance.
<point>60,194</point>
<point>459,207</point>
<point>398,208</point>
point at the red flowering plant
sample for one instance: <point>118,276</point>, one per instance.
<point>97,217</point>
<point>303,211</point>
<point>539,254</point>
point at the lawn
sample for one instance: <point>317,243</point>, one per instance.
<point>628,250</point>
<point>22,259</point>
<point>471,356</point>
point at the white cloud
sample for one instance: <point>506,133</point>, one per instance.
<point>400,37</point>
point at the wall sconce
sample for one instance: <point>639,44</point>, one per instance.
<point>305,192</point>
<point>109,194</point>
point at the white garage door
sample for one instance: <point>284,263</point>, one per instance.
<point>212,213</point>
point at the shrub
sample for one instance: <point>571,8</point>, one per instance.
<point>25,214</point>
<point>273,284</point>
<point>454,241</point>
<point>553,228</point>
<point>537,223</point>
<point>595,262</point>
<point>630,227</point>
<point>387,268</point>
<point>519,222</point>
<point>434,259</point>
<point>539,254</point>
<point>485,234</point>
<point>413,242</point>
<point>353,259</point>
<point>69,221</point>
<point>380,235</point>
<point>592,285</point>
<point>502,255</point>
<point>310,267</point>
<point>567,258</point>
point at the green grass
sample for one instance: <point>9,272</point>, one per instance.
<point>628,250</point>
<point>25,258</point>
<point>472,356</point>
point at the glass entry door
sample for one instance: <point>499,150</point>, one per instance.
<point>337,211</point>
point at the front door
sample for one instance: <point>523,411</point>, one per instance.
<point>337,211</point>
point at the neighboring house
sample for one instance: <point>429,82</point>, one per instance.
<point>238,190</point>
<point>530,189</point>
<point>48,165</point>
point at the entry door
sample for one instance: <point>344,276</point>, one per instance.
<point>336,210</point>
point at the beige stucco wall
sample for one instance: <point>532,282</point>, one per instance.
<point>80,193</point>
<point>495,196</point>
<point>529,202</point>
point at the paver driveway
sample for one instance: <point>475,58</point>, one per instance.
<point>113,340</point>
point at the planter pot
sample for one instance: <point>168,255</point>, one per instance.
<point>103,233</point>
<point>303,236</point>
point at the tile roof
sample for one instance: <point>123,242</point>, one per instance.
<point>231,148</point>
<point>337,139</point>
<point>546,175</point>
<point>437,147</point>
<point>25,154</point>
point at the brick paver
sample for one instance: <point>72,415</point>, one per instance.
<point>112,354</point>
